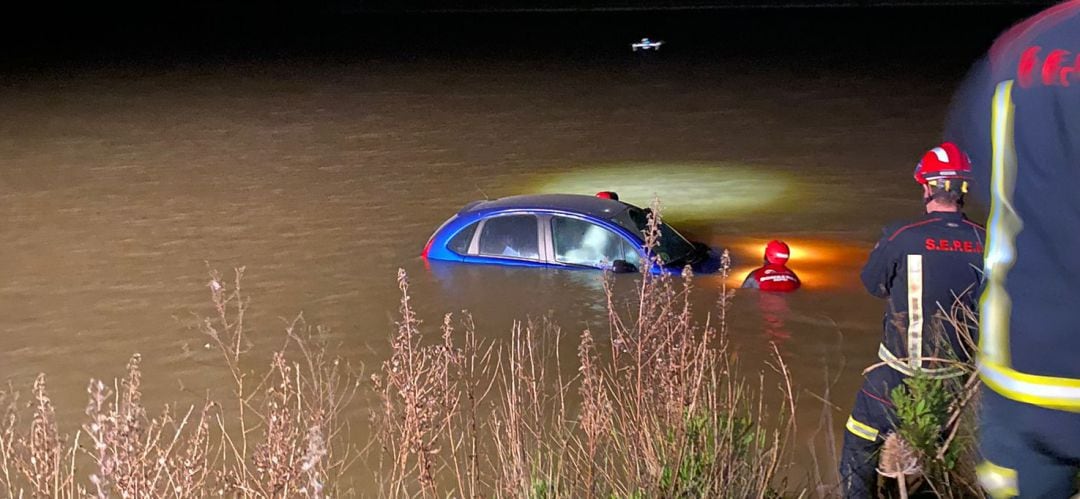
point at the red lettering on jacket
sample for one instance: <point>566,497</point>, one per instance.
<point>776,278</point>
<point>1070,72</point>
<point>1051,69</point>
<point>1026,67</point>
<point>958,245</point>
<point>1054,70</point>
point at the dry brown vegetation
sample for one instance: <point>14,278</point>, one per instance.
<point>279,435</point>
<point>657,408</point>
<point>932,448</point>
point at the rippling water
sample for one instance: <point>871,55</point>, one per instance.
<point>120,187</point>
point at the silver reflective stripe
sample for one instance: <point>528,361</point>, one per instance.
<point>935,373</point>
<point>915,316</point>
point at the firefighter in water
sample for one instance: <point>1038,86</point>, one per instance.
<point>1018,116</point>
<point>922,268</point>
<point>774,275</point>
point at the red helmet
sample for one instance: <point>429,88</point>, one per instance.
<point>607,195</point>
<point>944,163</point>
<point>777,252</point>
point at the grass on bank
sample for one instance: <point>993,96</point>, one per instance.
<point>280,433</point>
<point>657,407</point>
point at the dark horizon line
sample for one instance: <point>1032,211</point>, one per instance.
<point>840,4</point>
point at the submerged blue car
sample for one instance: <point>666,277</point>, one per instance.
<point>562,230</point>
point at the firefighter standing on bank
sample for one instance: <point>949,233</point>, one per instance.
<point>1018,116</point>
<point>922,268</point>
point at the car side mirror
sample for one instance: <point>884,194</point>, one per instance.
<point>623,267</point>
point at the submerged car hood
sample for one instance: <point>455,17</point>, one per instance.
<point>704,260</point>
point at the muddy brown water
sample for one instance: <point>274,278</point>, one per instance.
<point>119,187</point>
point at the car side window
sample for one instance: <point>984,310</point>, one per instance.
<point>460,242</point>
<point>579,242</point>
<point>512,236</point>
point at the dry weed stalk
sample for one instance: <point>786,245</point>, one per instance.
<point>945,460</point>
<point>959,430</point>
<point>595,411</point>
<point>659,411</point>
<point>432,399</point>
<point>277,458</point>
<point>898,461</point>
<point>472,382</point>
<point>298,416</point>
<point>37,455</point>
<point>297,450</point>
<point>530,413</point>
<point>412,401</point>
<point>9,400</point>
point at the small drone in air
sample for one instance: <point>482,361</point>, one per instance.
<point>646,44</point>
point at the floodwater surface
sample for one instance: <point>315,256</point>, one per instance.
<point>121,186</point>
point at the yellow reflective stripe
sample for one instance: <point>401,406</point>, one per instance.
<point>935,373</point>
<point>1001,231</point>
<point>861,430</point>
<point>915,316</point>
<point>999,481</point>
<point>1046,391</point>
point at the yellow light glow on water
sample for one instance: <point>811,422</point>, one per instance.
<point>821,264</point>
<point>688,191</point>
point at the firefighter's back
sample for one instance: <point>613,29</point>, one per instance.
<point>944,251</point>
<point>1018,117</point>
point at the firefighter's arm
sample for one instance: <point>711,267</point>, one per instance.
<point>880,268</point>
<point>751,282</point>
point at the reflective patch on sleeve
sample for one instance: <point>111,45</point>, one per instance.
<point>998,481</point>
<point>861,430</point>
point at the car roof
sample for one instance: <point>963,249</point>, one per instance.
<point>574,203</point>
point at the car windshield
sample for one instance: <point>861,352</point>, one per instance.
<point>672,247</point>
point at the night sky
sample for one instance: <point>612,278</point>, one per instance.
<point>863,31</point>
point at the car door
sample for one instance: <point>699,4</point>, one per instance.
<point>581,243</point>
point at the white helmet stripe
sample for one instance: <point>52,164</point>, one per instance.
<point>942,154</point>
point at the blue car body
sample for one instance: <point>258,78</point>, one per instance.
<point>564,224</point>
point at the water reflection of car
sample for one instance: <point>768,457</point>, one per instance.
<point>646,44</point>
<point>562,230</point>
